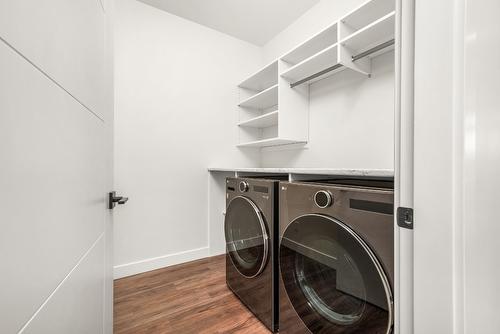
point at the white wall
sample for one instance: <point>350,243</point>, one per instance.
<point>351,117</point>
<point>175,116</point>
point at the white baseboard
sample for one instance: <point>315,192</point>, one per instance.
<point>137,267</point>
<point>217,251</point>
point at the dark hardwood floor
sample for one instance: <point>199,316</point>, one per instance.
<point>182,299</point>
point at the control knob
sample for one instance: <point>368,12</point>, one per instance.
<point>323,199</point>
<point>243,186</point>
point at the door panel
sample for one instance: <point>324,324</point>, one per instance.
<point>481,159</point>
<point>81,293</point>
<point>66,39</point>
<point>54,175</point>
<point>433,169</point>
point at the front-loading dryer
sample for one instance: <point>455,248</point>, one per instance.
<point>336,257</point>
<point>251,229</point>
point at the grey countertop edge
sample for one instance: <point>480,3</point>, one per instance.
<point>316,171</point>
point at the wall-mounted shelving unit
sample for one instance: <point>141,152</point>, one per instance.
<point>348,44</point>
<point>365,32</point>
<point>261,121</point>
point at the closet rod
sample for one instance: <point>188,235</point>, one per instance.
<point>373,50</point>
<point>329,69</point>
<point>336,66</point>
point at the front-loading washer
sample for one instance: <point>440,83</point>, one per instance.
<point>336,257</point>
<point>251,230</point>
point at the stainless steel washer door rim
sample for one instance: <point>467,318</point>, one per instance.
<point>247,240</point>
<point>322,241</point>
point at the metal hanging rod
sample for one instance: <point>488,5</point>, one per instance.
<point>373,50</point>
<point>336,66</point>
<point>329,69</point>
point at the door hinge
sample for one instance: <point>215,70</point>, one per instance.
<point>405,217</point>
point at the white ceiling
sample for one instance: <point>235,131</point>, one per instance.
<point>255,21</point>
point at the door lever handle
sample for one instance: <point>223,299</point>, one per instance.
<point>122,200</point>
<point>113,199</point>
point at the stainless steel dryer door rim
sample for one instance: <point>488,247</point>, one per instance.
<point>263,229</point>
<point>369,252</point>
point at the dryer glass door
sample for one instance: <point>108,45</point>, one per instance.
<point>332,278</point>
<point>246,236</point>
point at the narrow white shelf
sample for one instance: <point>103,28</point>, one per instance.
<point>262,79</point>
<point>314,64</point>
<point>368,12</point>
<point>265,99</point>
<point>382,30</point>
<point>313,45</point>
<point>268,142</point>
<point>262,121</point>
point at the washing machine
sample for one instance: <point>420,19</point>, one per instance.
<point>336,257</point>
<point>251,230</point>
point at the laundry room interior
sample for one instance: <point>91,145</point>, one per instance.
<point>236,112</point>
<point>265,166</point>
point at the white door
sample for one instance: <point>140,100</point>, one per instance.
<point>457,157</point>
<point>481,161</point>
<point>55,166</point>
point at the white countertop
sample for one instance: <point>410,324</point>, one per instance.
<point>312,171</point>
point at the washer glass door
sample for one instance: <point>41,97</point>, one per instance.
<point>333,280</point>
<point>246,236</point>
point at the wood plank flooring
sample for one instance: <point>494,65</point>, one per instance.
<point>182,299</point>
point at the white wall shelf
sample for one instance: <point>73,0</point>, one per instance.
<point>262,100</point>
<point>269,142</point>
<point>262,121</point>
<point>313,45</point>
<point>379,31</point>
<point>314,64</point>
<point>365,14</point>
<point>262,79</point>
